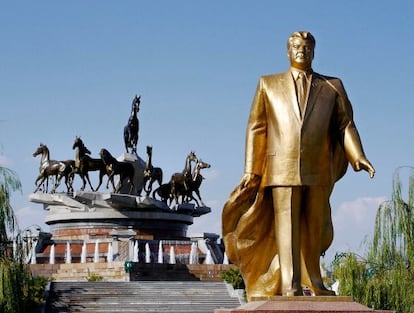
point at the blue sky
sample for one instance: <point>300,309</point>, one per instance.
<point>73,68</point>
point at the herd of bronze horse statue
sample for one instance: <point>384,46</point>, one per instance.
<point>180,188</point>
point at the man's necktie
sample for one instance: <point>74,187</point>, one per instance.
<point>301,91</point>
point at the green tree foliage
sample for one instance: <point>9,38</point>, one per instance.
<point>9,183</point>
<point>384,279</point>
<point>19,291</point>
<point>233,277</point>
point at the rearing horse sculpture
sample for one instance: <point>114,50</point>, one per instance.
<point>151,173</point>
<point>84,164</point>
<point>132,128</point>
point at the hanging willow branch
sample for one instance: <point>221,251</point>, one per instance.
<point>385,278</point>
<point>9,183</point>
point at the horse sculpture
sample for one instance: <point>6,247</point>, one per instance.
<point>85,164</point>
<point>164,191</point>
<point>58,169</point>
<point>132,128</point>
<point>151,174</point>
<point>125,170</point>
<point>185,191</point>
<point>179,180</point>
<point>195,183</point>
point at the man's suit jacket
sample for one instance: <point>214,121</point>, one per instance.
<point>290,150</point>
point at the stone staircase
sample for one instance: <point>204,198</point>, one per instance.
<point>140,296</point>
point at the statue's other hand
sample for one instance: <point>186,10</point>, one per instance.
<point>244,194</point>
<point>364,164</point>
<point>249,181</point>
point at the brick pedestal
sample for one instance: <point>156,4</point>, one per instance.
<point>301,305</point>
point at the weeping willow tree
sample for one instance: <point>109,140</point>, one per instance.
<point>384,279</point>
<point>12,272</point>
<point>9,183</point>
<point>19,292</point>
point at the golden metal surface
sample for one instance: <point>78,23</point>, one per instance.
<point>305,298</point>
<point>277,221</point>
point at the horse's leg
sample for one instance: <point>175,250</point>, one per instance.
<point>54,184</point>
<point>89,181</point>
<point>85,179</point>
<point>154,193</point>
<point>197,191</point>
<point>82,175</point>
<point>170,198</point>
<point>126,137</point>
<point>173,193</point>
<point>120,184</point>
<point>37,188</point>
<point>111,179</point>
<point>101,175</point>
<point>159,179</point>
<point>40,184</point>
<point>145,186</point>
<point>190,197</point>
<point>58,178</point>
<point>37,179</point>
<point>107,182</point>
<point>199,197</point>
<point>67,183</point>
<point>71,178</point>
<point>149,189</point>
<point>47,184</point>
<point>132,186</point>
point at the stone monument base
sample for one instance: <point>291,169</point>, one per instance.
<point>301,305</point>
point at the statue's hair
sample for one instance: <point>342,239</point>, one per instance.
<point>303,35</point>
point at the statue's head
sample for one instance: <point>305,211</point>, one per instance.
<point>300,49</point>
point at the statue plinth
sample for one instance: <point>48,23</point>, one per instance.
<point>71,216</point>
<point>301,304</point>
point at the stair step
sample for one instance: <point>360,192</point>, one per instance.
<point>142,296</point>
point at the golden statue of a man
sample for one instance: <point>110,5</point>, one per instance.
<point>300,138</point>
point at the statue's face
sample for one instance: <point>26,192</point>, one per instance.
<point>300,53</point>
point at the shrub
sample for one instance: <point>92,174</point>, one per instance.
<point>233,277</point>
<point>92,277</point>
<point>19,291</point>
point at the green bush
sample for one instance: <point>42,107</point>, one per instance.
<point>234,278</point>
<point>19,291</point>
<point>35,291</point>
<point>92,277</point>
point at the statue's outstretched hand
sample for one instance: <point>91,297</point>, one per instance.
<point>364,164</point>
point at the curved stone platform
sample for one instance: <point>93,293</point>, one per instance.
<point>81,213</point>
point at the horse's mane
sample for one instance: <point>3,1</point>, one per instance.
<point>107,157</point>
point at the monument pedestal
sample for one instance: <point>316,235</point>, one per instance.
<point>301,305</point>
